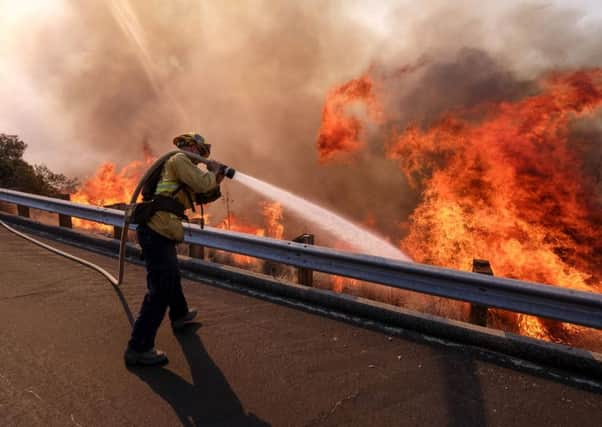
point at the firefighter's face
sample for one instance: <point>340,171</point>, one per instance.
<point>197,150</point>
<point>202,150</point>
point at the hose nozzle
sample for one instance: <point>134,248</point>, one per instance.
<point>228,171</point>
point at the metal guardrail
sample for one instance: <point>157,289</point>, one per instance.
<point>583,308</point>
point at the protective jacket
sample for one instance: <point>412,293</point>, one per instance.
<point>179,171</point>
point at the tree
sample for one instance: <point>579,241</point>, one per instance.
<point>56,182</point>
<point>17,174</point>
<point>11,147</point>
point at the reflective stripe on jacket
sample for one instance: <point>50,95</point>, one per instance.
<point>179,170</point>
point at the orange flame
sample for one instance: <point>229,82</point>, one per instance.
<point>348,108</point>
<point>109,186</point>
<point>340,284</point>
<point>510,188</point>
<point>502,181</point>
<point>273,217</point>
<point>272,212</point>
<point>232,223</point>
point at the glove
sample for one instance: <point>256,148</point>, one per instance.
<point>215,167</point>
<point>208,197</point>
<point>218,169</point>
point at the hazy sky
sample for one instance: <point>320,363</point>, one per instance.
<point>53,132</point>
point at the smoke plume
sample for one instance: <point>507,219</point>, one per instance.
<point>252,78</point>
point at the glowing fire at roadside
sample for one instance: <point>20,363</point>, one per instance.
<point>232,223</point>
<point>346,111</point>
<point>274,228</point>
<point>272,212</point>
<point>509,188</point>
<point>109,186</point>
<point>506,182</point>
<point>340,284</point>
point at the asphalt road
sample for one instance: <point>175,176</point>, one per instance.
<point>63,329</point>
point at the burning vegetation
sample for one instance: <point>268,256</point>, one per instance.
<point>460,154</point>
<point>108,186</point>
<point>512,181</point>
<point>274,228</point>
<point>348,109</point>
<point>509,181</point>
<point>506,182</point>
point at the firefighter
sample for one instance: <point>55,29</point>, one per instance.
<point>180,181</point>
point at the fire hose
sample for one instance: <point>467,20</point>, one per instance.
<point>227,171</point>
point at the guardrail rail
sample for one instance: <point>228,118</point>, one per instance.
<point>567,305</point>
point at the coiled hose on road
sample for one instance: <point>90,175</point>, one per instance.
<point>126,222</point>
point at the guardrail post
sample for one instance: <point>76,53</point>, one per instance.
<point>7,207</point>
<point>65,220</point>
<point>116,229</point>
<point>478,313</point>
<point>117,232</point>
<point>23,211</point>
<point>305,276</point>
<point>196,251</point>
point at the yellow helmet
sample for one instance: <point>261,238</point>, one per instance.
<point>194,139</point>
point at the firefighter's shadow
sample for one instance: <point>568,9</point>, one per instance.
<point>464,393</point>
<point>209,400</point>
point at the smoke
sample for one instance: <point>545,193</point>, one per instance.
<point>452,58</point>
<point>252,76</point>
<point>465,53</point>
<point>239,72</point>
